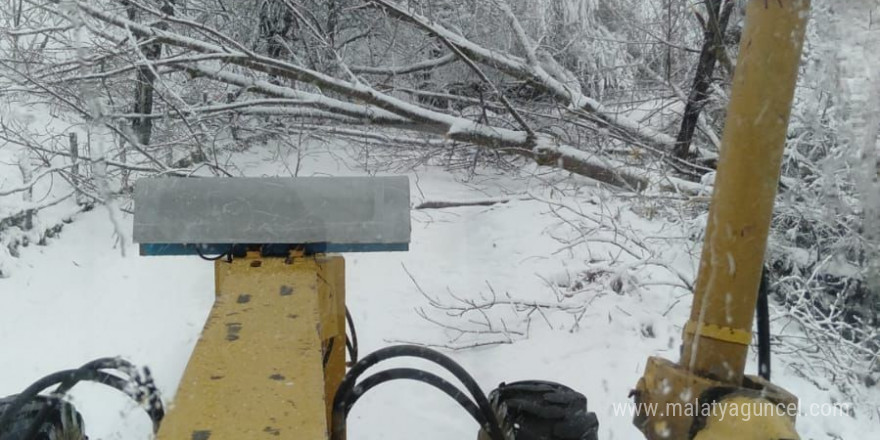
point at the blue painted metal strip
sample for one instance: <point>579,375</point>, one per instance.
<point>276,249</point>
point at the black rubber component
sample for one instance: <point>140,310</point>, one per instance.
<point>351,342</point>
<point>46,415</point>
<point>420,376</point>
<point>327,352</point>
<point>763,317</point>
<point>16,404</point>
<point>58,419</point>
<point>214,258</point>
<point>347,388</point>
<point>539,410</point>
<point>42,412</point>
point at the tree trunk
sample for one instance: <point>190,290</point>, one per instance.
<point>333,11</point>
<point>146,78</point>
<point>278,27</point>
<point>27,176</point>
<point>713,46</point>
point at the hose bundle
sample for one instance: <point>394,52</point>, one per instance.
<point>350,390</point>
<point>31,415</point>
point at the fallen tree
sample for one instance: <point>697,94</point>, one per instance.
<point>284,84</point>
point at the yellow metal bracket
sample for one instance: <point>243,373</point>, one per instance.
<point>271,355</point>
<point>718,332</point>
<point>675,395</point>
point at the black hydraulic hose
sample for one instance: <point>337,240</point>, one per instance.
<point>763,316</point>
<point>144,389</point>
<point>346,388</point>
<point>327,352</point>
<point>214,258</point>
<point>111,362</point>
<point>352,342</point>
<point>417,375</point>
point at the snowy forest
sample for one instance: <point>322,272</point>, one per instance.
<point>562,154</point>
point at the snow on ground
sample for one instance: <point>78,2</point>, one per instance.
<point>78,298</point>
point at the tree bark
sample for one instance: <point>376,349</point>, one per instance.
<point>713,45</point>
<point>278,27</point>
<point>333,11</point>
<point>145,82</point>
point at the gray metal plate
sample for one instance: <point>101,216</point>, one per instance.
<point>335,210</point>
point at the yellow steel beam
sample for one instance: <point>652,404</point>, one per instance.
<point>745,189</point>
<point>258,368</point>
<point>331,292</point>
<point>717,336</point>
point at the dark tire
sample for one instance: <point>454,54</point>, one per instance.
<point>538,410</point>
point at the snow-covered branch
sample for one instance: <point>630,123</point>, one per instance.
<point>391,110</point>
<point>404,70</point>
<point>33,181</point>
<point>567,93</point>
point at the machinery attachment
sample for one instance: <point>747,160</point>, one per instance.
<point>34,416</point>
<point>59,420</point>
<point>272,353</point>
<point>218,215</point>
<point>770,420</point>
<point>527,410</point>
<point>718,334</point>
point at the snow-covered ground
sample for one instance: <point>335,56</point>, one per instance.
<point>79,298</point>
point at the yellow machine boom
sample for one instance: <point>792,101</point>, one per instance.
<point>718,334</point>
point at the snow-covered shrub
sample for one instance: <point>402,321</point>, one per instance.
<point>824,248</point>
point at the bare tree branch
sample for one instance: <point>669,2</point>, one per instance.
<point>541,148</point>
<point>403,70</point>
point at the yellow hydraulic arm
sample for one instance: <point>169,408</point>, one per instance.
<point>271,355</point>
<point>717,336</point>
